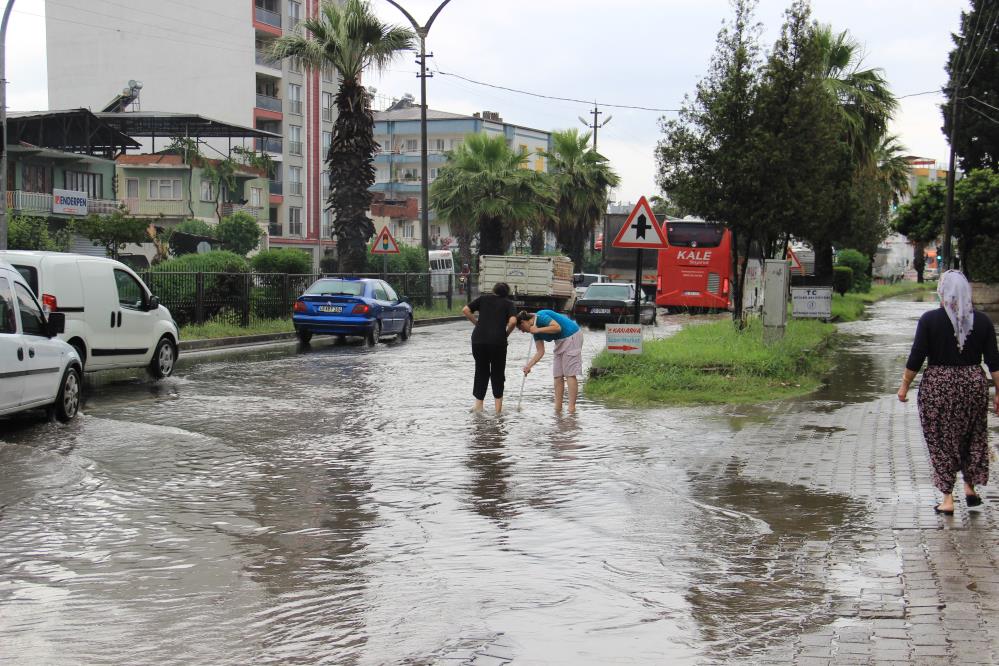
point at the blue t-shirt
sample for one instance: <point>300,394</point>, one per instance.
<point>545,317</point>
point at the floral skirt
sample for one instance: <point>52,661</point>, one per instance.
<point>953,410</point>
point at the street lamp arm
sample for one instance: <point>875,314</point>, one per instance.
<point>433,16</point>
<point>421,30</point>
<point>416,26</point>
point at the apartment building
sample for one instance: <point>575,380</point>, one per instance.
<point>398,169</point>
<point>209,59</point>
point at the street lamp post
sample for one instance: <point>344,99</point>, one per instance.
<point>421,31</point>
<point>3,124</point>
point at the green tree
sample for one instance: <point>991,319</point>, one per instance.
<point>112,231</point>
<point>976,222</point>
<point>708,158</point>
<point>973,67</point>
<point>580,179</point>
<point>348,38</point>
<point>239,233</point>
<point>33,233</point>
<point>483,190</point>
<point>409,260</point>
<point>860,264</point>
<point>282,260</point>
<point>921,221</point>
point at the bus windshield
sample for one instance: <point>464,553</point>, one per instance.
<point>694,234</point>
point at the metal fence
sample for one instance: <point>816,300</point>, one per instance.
<point>243,298</point>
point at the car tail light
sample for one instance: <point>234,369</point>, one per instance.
<point>580,308</point>
<point>725,286</point>
<point>49,303</point>
<point>619,311</point>
<point>361,308</point>
<point>659,283</point>
<point>300,306</point>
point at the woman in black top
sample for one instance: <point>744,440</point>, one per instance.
<point>954,393</point>
<point>497,317</point>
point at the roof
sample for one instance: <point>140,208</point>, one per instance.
<point>156,123</point>
<point>174,160</point>
<point>413,113</point>
<point>70,130</point>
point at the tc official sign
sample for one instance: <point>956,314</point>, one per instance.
<point>811,302</point>
<point>68,202</point>
<point>624,338</point>
<point>385,243</point>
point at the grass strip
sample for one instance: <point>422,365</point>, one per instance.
<point>713,363</point>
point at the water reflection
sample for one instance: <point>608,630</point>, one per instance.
<point>490,466</point>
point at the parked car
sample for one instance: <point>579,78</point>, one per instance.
<point>613,302</point>
<point>112,319</point>
<point>582,281</point>
<point>36,368</point>
<point>363,307</point>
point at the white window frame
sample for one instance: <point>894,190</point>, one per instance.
<point>295,98</point>
<point>294,139</point>
<point>294,221</point>
<point>207,190</point>
<point>295,180</point>
<point>156,185</point>
<point>256,197</point>
<point>131,184</point>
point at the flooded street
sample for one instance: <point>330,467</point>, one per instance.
<point>342,505</point>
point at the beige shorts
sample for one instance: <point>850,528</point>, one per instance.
<point>568,357</point>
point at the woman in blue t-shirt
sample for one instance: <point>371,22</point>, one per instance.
<point>567,365</point>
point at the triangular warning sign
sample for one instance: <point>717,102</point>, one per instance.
<point>384,243</point>
<point>641,230</point>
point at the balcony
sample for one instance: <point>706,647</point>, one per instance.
<point>265,60</point>
<point>39,203</point>
<point>274,229</point>
<point>267,17</point>
<point>269,103</point>
<point>277,187</point>
<point>254,211</point>
<point>155,208</point>
<point>269,145</point>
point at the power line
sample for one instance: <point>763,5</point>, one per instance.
<point>926,92</point>
<point>981,102</point>
<point>983,114</point>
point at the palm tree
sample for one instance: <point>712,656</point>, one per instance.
<point>484,189</point>
<point>348,38</point>
<point>580,178</point>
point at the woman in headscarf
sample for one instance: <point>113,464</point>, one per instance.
<point>954,392</point>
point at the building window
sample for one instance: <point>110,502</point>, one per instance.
<point>327,141</point>
<point>131,188</point>
<point>164,189</point>
<point>328,224</point>
<point>455,143</point>
<point>295,98</point>
<point>328,75</point>
<point>295,139</point>
<point>410,174</point>
<point>294,13</point>
<point>294,180</point>
<point>91,183</point>
<point>207,190</point>
<point>433,173</point>
<point>439,145</point>
<point>324,181</point>
<point>412,145</point>
<point>328,107</point>
<point>256,197</point>
<point>36,178</point>
<point>273,225</point>
<point>294,221</point>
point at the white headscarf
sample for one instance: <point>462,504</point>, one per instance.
<point>955,298</point>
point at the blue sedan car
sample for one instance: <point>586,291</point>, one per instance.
<point>352,306</point>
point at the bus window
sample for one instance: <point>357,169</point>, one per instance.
<point>694,234</point>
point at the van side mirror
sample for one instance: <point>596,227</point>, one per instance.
<point>55,324</point>
<point>154,303</point>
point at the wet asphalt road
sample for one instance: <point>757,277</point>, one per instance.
<point>342,505</point>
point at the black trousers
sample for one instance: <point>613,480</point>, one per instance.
<point>490,365</point>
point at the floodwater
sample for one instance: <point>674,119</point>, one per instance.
<point>342,505</point>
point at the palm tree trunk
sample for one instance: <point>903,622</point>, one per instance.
<point>919,259</point>
<point>352,173</point>
<point>491,236</point>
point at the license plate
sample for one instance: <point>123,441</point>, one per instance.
<point>600,310</point>
<point>330,308</point>
<point>691,293</point>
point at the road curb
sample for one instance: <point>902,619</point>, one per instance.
<point>263,338</point>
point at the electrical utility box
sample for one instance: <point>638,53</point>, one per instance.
<point>775,283</point>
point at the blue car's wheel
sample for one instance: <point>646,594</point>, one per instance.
<point>304,336</point>
<point>407,329</point>
<point>374,334</point>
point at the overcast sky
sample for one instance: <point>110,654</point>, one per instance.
<point>647,53</point>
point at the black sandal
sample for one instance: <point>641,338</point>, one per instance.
<point>973,500</point>
<point>937,509</point>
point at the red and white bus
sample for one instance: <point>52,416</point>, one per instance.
<point>695,270</point>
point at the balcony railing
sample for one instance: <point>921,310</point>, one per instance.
<point>269,145</point>
<point>295,147</point>
<point>328,114</point>
<point>267,17</point>
<point>295,106</point>
<point>266,60</point>
<point>274,229</point>
<point>277,187</point>
<point>41,203</point>
<point>255,211</point>
<point>269,103</point>
<point>157,207</point>
<point>294,188</point>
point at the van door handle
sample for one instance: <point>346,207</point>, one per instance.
<point>20,354</point>
<point>31,352</point>
<point>112,320</point>
<point>119,318</point>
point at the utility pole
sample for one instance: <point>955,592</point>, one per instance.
<point>946,254</point>
<point>596,112</point>
<point>3,124</point>
<point>422,31</point>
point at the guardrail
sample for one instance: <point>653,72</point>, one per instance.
<point>267,16</point>
<point>269,103</point>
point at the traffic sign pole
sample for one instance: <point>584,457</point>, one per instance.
<point>638,287</point>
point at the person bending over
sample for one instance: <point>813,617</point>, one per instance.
<point>567,364</point>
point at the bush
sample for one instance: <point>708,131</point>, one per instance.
<point>409,260</point>
<point>857,261</point>
<point>239,233</point>
<point>282,260</point>
<point>842,279</point>
<point>982,262</point>
<point>33,233</point>
<point>224,284</point>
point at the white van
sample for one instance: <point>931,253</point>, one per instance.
<point>36,368</point>
<point>112,320</point>
<point>441,266</point>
